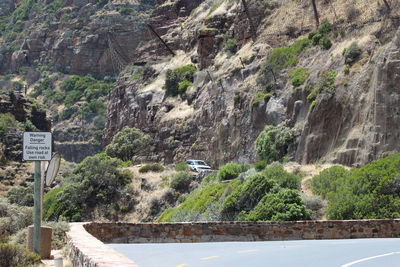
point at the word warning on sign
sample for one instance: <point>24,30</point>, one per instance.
<point>37,146</point>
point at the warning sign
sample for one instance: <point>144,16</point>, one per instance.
<point>37,146</point>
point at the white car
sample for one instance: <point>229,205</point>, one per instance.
<point>198,165</point>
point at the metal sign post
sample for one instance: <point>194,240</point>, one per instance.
<point>37,147</point>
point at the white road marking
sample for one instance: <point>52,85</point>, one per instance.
<point>369,258</point>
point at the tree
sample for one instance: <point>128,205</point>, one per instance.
<point>273,143</point>
<point>127,143</point>
<point>316,15</point>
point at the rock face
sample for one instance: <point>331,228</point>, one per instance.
<point>218,119</point>
<point>360,126</point>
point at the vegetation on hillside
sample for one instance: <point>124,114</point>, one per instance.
<point>372,191</point>
<point>179,80</point>
<point>127,143</point>
<point>243,197</point>
<point>96,186</point>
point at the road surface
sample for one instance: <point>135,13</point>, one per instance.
<point>308,253</point>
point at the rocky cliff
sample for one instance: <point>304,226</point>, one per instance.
<point>219,117</point>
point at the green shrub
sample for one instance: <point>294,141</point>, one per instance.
<point>182,166</point>
<point>22,196</point>
<point>246,196</point>
<point>230,45</point>
<point>154,167</point>
<point>127,143</point>
<point>229,171</point>
<point>200,204</point>
<point>316,38</point>
<point>95,183</point>
<point>260,165</point>
<point>273,142</point>
<point>325,28</point>
<point>352,53</point>
<point>325,43</point>
<point>183,86</point>
<point>181,181</point>
<point>327,180</point>
<point>313,105</point>
<point>23,10</point>
<point>261,96</point>
<point>178,80</point>
<point>284,57</point>
<point>282,177</point>
<point>370,192</point>
<point>12,255</point>
<point>298,76</point>
<point>7,122</point>
<point>60,228</point>
<point>320,37</point>
<point>286,205</point>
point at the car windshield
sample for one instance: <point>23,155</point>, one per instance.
<point>199,162</point>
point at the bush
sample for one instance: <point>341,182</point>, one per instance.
<point>316,204</point>
<point>22,196</point>
<point>273,142</point>
<point>230,45</point>
<point>11,255</point>
<point>181,181</point>
<point>200,204</point>
<point>183,86</point>
<point>327,180</point>
<point>313,105</point>
<point>229,171</point>
<point>352,53</point>
<point>325,28</point>
<point>7,122</point>
<point>154,167</point>
<point>298,76</point>
<point>245,197</point>
<point>127,143</point>
<point>325,43</point>
<point>261,96</point>
<point>95,183</point>
<point>260,165</point>
<point>284,57</point>
<point>182,166</point>
<point>178,80</point>
<point>370,192</point>
<point>60,228</point>
<point>286,205</point>
<point>13,218</point>
<point>282,177</point>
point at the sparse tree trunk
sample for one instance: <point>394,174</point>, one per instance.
<point>316,15</point>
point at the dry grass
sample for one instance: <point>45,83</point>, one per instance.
<point>156,184</point>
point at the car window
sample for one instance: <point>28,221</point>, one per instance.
<point>199,162</point>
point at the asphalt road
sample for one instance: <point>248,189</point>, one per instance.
<point>310,253</point>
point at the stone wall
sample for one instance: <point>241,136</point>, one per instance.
<point>242,231</point>
<point>86,250</point>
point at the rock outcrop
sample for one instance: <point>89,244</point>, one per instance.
<point>218,119</point>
